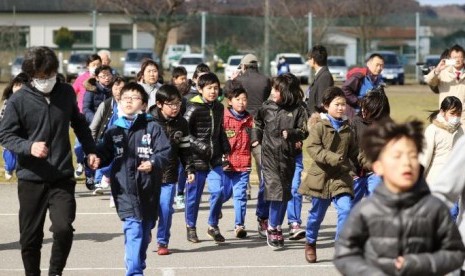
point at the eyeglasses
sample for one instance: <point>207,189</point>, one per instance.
<point>105,76</point>
<point>129,98</point>
<point>174,105</point>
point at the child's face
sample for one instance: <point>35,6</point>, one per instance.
<point>105,77</point>
<point>239,103</point>
<point>170,109</point>
<point>398,165</point>
<point>210,92</point>
<point>337,107</point>
<point>131,102</point>
<point>448,114</point>
<point>116,90</point>
<point>150,74</point>
<point>276,95</point>
<point>180,80</point>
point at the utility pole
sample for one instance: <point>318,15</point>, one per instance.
<point>94,31</point>
<point>310,31</point>
<point>417,44</point>
<point>266,40</point>
<point>202,42</point>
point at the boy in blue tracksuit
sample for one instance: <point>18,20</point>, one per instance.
<point>139,150</point>
<point>167,113</point>
<point>209,146</point>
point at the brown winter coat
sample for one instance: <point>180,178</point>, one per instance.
<point>331,173</point>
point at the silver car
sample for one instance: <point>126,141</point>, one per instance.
<point>338,68</point>
<point>16,66</point>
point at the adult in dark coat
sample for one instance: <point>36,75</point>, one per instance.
<point>318,59</point>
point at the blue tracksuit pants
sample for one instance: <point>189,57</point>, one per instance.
<point>364,186</point>
<point>9,159</point>
<point>136,241</point>
<point>165,212</point>
<point>235,185</point>
<point>342,203</point>
<point>194,191</point>
<point>294,206</point>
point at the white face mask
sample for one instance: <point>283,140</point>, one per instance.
<point>44,85</point>
<point>92,70</point>
<point>453,120</point>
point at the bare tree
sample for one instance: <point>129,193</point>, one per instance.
<point>158,16</point>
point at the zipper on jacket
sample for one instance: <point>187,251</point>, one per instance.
<point>211,135</point>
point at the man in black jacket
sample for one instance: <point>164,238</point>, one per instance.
<point>318,59</point>
<point>36,128</point>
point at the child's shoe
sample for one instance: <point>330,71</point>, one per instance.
<point>79,170</point>
<point>240,232</point>
<point>163,249</point>
<point>180,202</point>
<point>262,227</point>
<point>90,184</point>
<point>214,232</point>
<point>295,232</point>
<point>192,235</point>
<point>310,252</point>
<point>280,239</point>
<point>8,175</point>
<point>272,238</point>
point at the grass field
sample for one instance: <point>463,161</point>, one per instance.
<point>407,101</point>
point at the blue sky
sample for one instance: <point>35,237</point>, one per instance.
<point>440,2</point>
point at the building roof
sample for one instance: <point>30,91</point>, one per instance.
<point>52,6</point>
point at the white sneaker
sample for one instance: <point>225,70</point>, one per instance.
<point>98,190</point>
<point>180,202</point>
<point>79,170</point>
<point>105,182</point>
<point>112,202</point>
<point>8,175</point>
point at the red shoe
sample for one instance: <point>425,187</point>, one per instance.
<point>163,250</point>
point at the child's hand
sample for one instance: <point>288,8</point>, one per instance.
<point>93,161</point>
<point>190,178</point>
<point>145,166</point>
<point>284,134</point>
<point>399,262</point>
<point>298,145</point>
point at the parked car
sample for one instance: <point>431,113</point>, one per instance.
<point>75,65</point>
<point>338,68</point>
<point>431,61</point>
<point>173,53</point>
<point>133,60</point>
<point>190,62</point>
<point>393,69</point>
<point>16,66</point>
<point>297,64</point>
<point>231,66</point>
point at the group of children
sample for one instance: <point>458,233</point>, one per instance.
<point>400,227</point>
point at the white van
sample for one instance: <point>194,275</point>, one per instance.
<point>173,53</point>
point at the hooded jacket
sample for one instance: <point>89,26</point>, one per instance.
<point>412,224</point>
<point>332,151</point>
<point>136,194</point>
<point>207,137</point>
<point>94,96</point>
<point>278,154</point>
<point>177,131</point>
<point>30,118</point>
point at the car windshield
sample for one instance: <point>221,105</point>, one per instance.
<point>235,61</point>
<point>78,58</point>
<point>336,62</point>
<point>294,60</point>
<point>390,59</point>
<point>432,61</point>
<point>191,60</point>
<point>136,57</point>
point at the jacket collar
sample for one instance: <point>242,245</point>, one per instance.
<point>405,199</point>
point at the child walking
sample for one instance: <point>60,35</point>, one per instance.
<point>401,229</point>
<point>441,136</point>
<point>209,146</point>
<point>374,107</point>
<point>167,113</point>
<point>139,150</point>
<point>9,158</point>
<point>237,124</point>
<point>331,145</point>
<point>279,124</point>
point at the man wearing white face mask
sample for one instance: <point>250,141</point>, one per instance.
<point>36,128</point>
<point>449,77</point>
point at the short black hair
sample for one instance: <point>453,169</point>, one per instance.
<point>329,95</point>
<point>379,134</point>
<point>372,56</point>
<point>178,71</point>
<point>40,60</point>
<point>168,93</point>
<point>457,48</point>
<point>93,58</point>
<point>117,80</point>
<point>136,87</point>
<point>207,79</point>
<point>374,106</point>
<point>201,68</point>
<point>319,54</point>
<point>103,68</point>
<point>235,90</point>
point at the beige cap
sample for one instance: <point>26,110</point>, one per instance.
<point>248,59</point>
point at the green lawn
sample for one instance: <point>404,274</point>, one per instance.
<point>408,101</point>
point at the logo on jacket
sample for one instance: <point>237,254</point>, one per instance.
<point>230,133</point>
<point>146,138</point>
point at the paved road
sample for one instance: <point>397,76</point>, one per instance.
<point>98,244</point>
